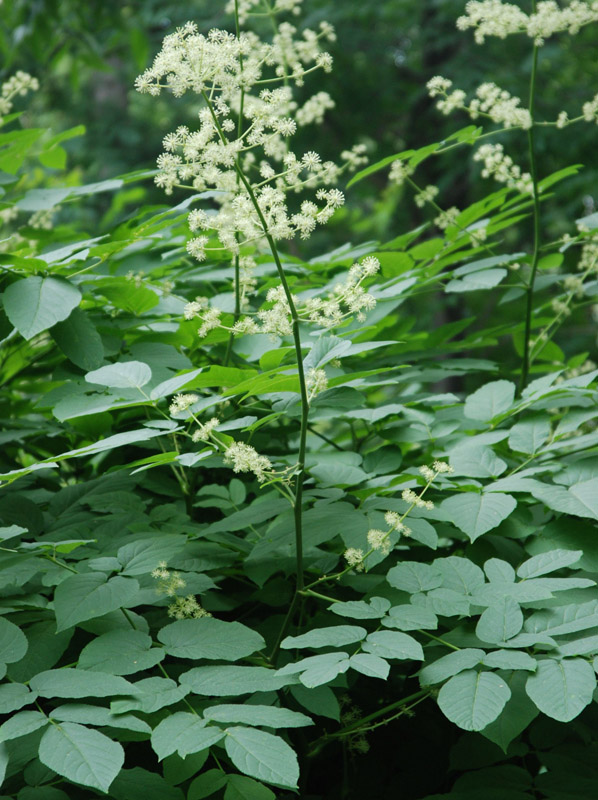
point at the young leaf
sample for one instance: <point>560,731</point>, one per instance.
<point>472,700</point>
<point>263,756</point>
<point>562,689</point>
<point>82,755</point>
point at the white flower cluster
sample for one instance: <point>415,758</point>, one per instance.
<point>246,6</point>
<point>590,110</point>
<point>181,402</point>
<point>245,458</point>
<point>168,582</point>
<point>315,382</point>
<point>447,218</point>
<point>409,496</point>
<point>490,100</point>
<point>345,299</point>
<point>501,167</point>
<point>427,195</point>
<point>18,84</point>
<point>187,608</point>
<point>495,18</point>
<point>203,433</point>
<point>399,172</point>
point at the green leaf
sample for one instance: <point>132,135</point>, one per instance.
<point>412,577</point>
<point>13,642</point>
<point>335,636</point>
<point>173,385</point>
<point>89,595</point>
<point>206,784</point>
<point>149,695</point>
<point>123,375</point>
<point>586,493</point>
<point>509,659</point>
<point>183,733</point>
<point>261,716</point>
<point>220,681</point>
<point>319,700</point>
<point>472,700</point>
<point>476,462</point>
<point>389,644</point>
<point>482,279</point>
<point>548,562</point>
<point>529,436</point>
<point>500,621</point>
<point>81,755</point>
<point>370,665</point>
<point>35,304</point>
<point>120,653</point>
<point>138,782</point>
<point>410,618</point>
<point>459,574</point>
<point>375,608</point>
<point>99,717</point>
<point>143,556</point>
<point>516,715</point>
<point>240,787</point>
<point>450,665</point>
<point>79,340</point>
<point>263,756</point>
<point>210,638</point>
<point>68,682</point>
<point>476,514</point>
<point>14,696</point>
<point>490,401</point>
<point>562,689</point>
<point>21,724</point>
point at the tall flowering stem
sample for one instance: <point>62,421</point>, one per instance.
<point>536,223</point>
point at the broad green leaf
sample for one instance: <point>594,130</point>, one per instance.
<point>529,436</point>
<point>21,724</point>
<point>412,577</point>
<point>207,784</point>
<point>229,680</point>
<point>370,665</point>
<point>476,462</point>
<point>240,787</point>
<point>498,570</point>
<point>516,715</point>
<point>210,638</point>
<point>123,375</point>
<point>81,755</point>
<point>562,689</point>
<point>263,756</point>
<point>586,493</point>
<point>444,602</point>
<point>120,653</point>
<point>410,618</point>
<point>500,621</point>
<point>587,645</point>
<point>79,340</point>
<point>35,304</point>
<point>548,562</point>
<point>99,717</point>
<point>490,401</point>
<point>375,608</point>
<point>88,595</point>
<point>183,733</point>
<point>319,700</point>
<point>139,782</point>
<point>482,279</point>
<point>335,636</point>
<point>391,644</point>
<point>67,682</point>
<point>260,716</point>
<point>472,700</point>
<point>509,659</point>
<point>149,695</point>
<point>13,642</point>
<point>173,385</point>
<point>459,574</point>
<point>14,696</point>
<point>476,514</point>
<point>450,665</point>
<point>144,555</point>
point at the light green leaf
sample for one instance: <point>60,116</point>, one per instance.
<point>68,682</point>
<point>586,493</point>
<point>500,621</point>
<point>318,670</point>
<point>476,514</point>
<point>319,700</point>
<point>410,618</point>
<point>88,595</point>
<point>335,636</point>
<point>175,384</point>
<point>562,689</point>
<point>412,577</point>
<point>13,642</point>
<point>240,787</point>
<point>490,401</point>
<point>472,700</point>
<point>483,279</point>
<point>509,659</point>
<point>498,570</point>
<point>370,665</point>
<point>260,716</point>
<point>35,304</point>
<point>14,696</point>
<point>79,340</point>
<point>225,680</point>
<point>149,695</point>
<point>206,784</point>
<point>81,755</point>
<point>183,733</point>
<point>548,562</point>
<point>459,574</point>
<point>450,665</point>
<point>587,645</point>
<point>375,608</point>
<point>529,436</point>
<point>120,653</point>
<point>123,375</point>
<point>476,462</point>
<point>516,715</point>
<point>21,724</point>
<point>263,756</point>
<point>99,717</point>
<point>390,644</point>
<point>210,638</point>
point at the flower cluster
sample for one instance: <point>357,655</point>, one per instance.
<point>315,382</point>
<point>187,608</point>
<point>492,101</point>
<point>204,432</point>
<point>346,298</point>
<point>245,7</point>
<point>590,110</point>
<point>501,167</point>
<point>447,218</point>
<point>18,84</point>
<point>495,18</point>
<point>426,195</point>
<point>245,458</point>
<point>399,172</point>
<point>181,402</point>
<point>168,582</point>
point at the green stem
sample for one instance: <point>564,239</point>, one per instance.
<point>536,223</point>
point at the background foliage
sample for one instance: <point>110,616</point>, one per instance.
<point>463,661</point>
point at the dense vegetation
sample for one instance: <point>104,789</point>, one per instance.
<point>299,483</point>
